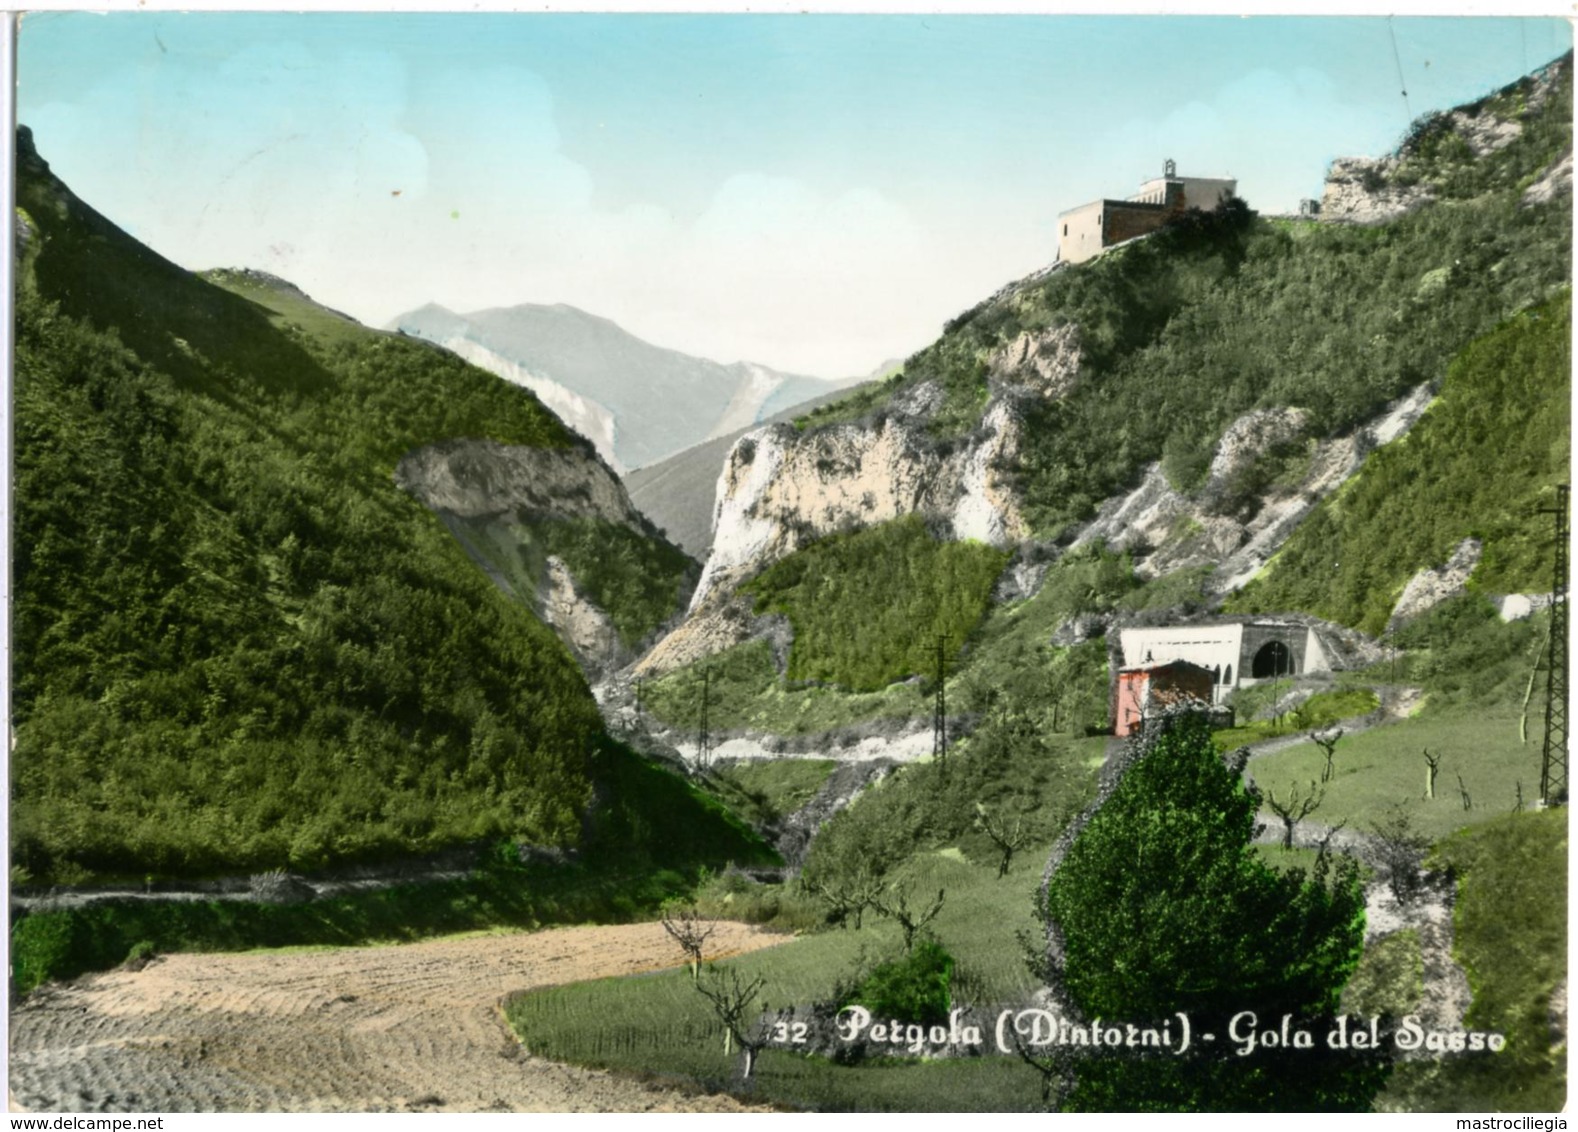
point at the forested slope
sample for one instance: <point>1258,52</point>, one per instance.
<point>238,644</point>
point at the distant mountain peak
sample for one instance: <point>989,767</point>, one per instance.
<point>640,403</point>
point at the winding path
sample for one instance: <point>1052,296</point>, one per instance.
<point>414,1027</point>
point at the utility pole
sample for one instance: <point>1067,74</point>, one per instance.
<point>704,738</point>
<point>939,717</point>
<point>1553,759</point>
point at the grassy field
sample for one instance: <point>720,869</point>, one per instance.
<point>1385,768</point>
<point>1511,938</point>
<point>660,1024</point>
<point>1320,711</point>
<point>744,691</point>
<point>770,790</point>
<point>65,944</point>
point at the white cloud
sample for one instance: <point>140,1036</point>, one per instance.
<point>1261,128</point>
<point>376,190</point>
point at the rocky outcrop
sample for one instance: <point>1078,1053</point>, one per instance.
<point>1515,607</point>
<point>1555,181</point>
<point>586,629</point>
<point>1360,190</point>
<point>1431,586</point>
<point>1166,530</point>
<point>1247,439</point>
<point>483,478</point>
<point>490,495</point>
<point>722,625</point>
<point>781,490</point>
<point>1044,362</point>
<point>1483,131</point>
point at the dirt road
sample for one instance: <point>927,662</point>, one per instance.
<point>400,1028</point>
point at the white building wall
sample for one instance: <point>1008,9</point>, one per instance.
<point>1079,232</point>
<point>1212,647</point>
<point>1198,192</point>
<point>1315,657</point>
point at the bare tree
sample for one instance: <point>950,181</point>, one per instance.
<point>1009,839</point>
<point>1326,838</point>
<point>1432,768</point>
<point>910,920</point>
<point>1401,849</point>
<point>1328,744</point>
<point>1462,792</point>
<point>1055,1067</point>
<point>846,894</point>
<point>1294,810</point>
<point>733,1000</point>
<point>691,932</point>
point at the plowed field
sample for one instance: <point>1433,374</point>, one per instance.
<point>397,1028</point>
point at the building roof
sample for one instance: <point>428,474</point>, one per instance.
<point>1154,665</point>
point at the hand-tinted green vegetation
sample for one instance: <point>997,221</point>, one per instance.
<point>636,577</point>
<point>867,608</point>
<point>1010,769</point>
<point>659,1025</point>
<point>1163,906</point>
<point>911,988</point>
<point>1011,652</point>
<point>1467,657</point>
<point>243,646</point>
<point>1510,928</point>
<point>1389,979</point>
<point>770,790</point>
<point>745,691</point>
<point>857,404</point>
<point>1189,329</point>
<point>1476,671</point>
<point>1008,649</point>
<point>1481,463</point>
<point>1321,711</point>
<point>735,895</point>
<point>647,841</point>
<point>239,645</point>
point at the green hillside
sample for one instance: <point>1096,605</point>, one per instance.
<point>868,607</point>
<point>238,644</point>
<point>1185,331</point>
<point>1481,463</point>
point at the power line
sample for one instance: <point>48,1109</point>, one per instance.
<point>1398,59</point>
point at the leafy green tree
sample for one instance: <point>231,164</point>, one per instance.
<point>1161,906</point>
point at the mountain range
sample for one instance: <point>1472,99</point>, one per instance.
<point>638,403</point>
<point>292,593</point>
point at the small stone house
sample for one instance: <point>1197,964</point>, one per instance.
<point>1087,231</point>
<point>1143,691</point>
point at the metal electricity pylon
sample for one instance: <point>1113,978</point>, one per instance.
<point>1553,759</point>
<point>704,735</point>
<point>939,716</point>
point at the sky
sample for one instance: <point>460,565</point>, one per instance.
<point>817,193</point>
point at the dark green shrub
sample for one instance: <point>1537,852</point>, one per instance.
<point>914,988</point>
<point>1163,907</point>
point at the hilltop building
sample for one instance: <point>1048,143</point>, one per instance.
<point>1233,654</point>
<point>1090,229</point>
